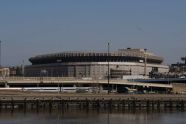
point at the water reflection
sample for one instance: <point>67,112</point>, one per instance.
<point>75,116</point>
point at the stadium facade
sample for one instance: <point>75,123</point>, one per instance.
<point>121,63</point>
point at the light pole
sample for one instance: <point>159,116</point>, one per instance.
<point>145,62</point>
<point>23,69</point>
<point>58,83</point>
<point>108,74</point>
<point>61,87</point>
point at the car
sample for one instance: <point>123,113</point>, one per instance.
<point>182,77</point>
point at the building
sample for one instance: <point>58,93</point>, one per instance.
<point>179,67</point>
<point>4,72</point>
<point>16,71</point>
<point>95,64</point>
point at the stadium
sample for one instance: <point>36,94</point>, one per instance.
<point>96,65</point>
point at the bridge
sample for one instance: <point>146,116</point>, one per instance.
<point>25,81</point>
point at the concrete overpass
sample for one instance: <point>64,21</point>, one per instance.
<point>68,80</point>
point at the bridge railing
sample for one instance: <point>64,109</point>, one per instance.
<point>37,78</point>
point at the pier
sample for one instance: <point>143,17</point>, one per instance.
<point>53,101</point>
<point>38,101</point>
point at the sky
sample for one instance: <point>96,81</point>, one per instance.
<point>32,27</point>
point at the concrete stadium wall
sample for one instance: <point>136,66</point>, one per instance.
<point>97,70</point>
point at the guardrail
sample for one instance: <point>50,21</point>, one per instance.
<point>38,78</point>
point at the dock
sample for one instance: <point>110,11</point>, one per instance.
<point>60,101</point>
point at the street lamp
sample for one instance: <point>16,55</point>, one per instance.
<point>145,62</point>
<point>108,74</point>
<point>58,83</point>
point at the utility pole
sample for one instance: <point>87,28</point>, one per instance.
<point>108,74</point>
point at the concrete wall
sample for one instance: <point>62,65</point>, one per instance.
<point>4,72</point>
<point>179,88</point>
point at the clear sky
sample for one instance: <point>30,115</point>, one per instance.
<point>32,27</point>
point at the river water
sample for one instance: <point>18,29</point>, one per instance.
<point>93,117</point>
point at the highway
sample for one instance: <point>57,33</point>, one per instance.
<point>63,80</point>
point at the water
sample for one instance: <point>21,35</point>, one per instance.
<point>93,117</point>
